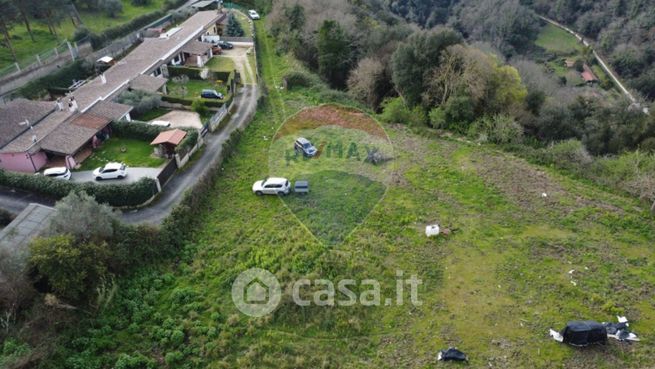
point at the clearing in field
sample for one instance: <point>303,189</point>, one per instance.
<point>557,41</point>
<point>348,175</point>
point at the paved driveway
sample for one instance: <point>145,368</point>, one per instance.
<point>133,175</point>
<point>181,118</point>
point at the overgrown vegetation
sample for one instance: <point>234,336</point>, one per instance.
<point>514,263</point>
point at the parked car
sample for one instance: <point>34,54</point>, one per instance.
<point>58,173</point>
<point>305,146</point>
<point>211,94</point>
<point>110,171</point>
<point>253,14</point>
<point>160,123</point>
<point>301,187</point>
<point>272,186</point>
<point>225,45</point>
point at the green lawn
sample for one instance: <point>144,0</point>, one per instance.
<point>557,41</point>
<point>151,114</point>
<point>194,87</point>
<point>514,265</point>
<point>95,21</point>
<point>134,153</point>
<point>221,64</point>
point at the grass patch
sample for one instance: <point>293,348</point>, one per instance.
<point>558,41</point>
<point>95,21</point>
<point>221,64</point>
<point>152,114</point>
<point>492,287</point>
<point>136,154</point>
<point>192,89</point>
<point>338,202</point>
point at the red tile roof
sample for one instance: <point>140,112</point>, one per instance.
<point>174,137</point>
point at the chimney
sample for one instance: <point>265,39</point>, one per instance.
<point>72,105</point>
<point>103,79</point>
<point>60,105</point>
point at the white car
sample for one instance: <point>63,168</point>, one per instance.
<point>272,186</point>
<point>58,173</point>
<point>160,123</point>
<point>253,14</point>
<point>110,171</point>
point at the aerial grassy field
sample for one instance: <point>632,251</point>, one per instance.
<point>514,264</point>
<point>96,21</point>
<point>557,41</point>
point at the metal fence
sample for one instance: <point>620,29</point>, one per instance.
<point>167,172</point>
<point>65,50</point>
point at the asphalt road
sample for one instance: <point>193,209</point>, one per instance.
<point>133,175</point>
<point>189,176</point>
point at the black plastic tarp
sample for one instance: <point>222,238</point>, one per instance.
<point>451,354</point>
<point>584,332</point>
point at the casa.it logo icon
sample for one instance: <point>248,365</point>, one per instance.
<point>256,292</point>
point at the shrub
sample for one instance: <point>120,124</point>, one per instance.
<point>71,268</point>
<point>500,129</point>
<point>141,101</point>
<point>138,130</point>
<point>112,7</point>
<point>395,111</point>
<point>79,215</point>
<point>437,118</point>
<point>569,154</point>
<point>128,195</point>
<point>188,142</point>
<point>78,70</point>
<point>199,107</point>
<point>180,223</point>
<point>81,33</point>
<point>5,217</point>
<point>99,40</point>
<point>299,79</point>
<point>137,361</point>
<point>234,28</point>
<point>193,73</point>
<point>176,100</point>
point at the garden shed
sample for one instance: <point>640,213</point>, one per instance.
<point>167,141</point>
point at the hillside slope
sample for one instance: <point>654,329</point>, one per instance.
<point>492,287</point>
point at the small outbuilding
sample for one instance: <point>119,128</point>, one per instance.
<point>167,141</point>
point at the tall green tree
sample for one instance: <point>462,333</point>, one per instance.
<point>415,59</point>
<point>8,17</point>
<point>23,7</point>
<point>71,268</point>
<point>234,28</point>
<point>334,53</point>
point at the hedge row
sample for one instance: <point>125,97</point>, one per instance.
<point>99,40</point>
<point>137,130</point>
<point>188,142</point>
<point>62,78</point>
<point>179,225</point>
<point>187,102</point>
<point>129,195</point>
<point>192,73</point>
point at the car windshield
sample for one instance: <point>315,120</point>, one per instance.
<point>307,145</point>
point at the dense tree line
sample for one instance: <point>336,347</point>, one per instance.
<point>442,77</point>
<point>624,30</point>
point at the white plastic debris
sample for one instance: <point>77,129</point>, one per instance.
<point>556,336</point>
<point>544,195</point>
<point>432,230</point>
<point>622,319</point>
